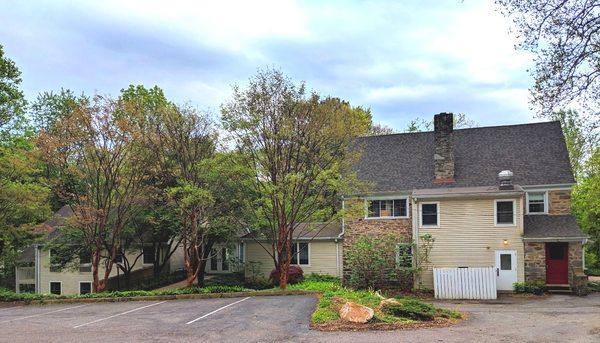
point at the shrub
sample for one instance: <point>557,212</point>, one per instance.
<point>537,288</point>
<point>594,286</point>
<point>295,275</point>
<point>411,309</point>
<point>372,264</point>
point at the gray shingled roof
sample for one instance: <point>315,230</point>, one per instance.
<point>318,231</point>
<point>535,153</point>
<point>546,226</point>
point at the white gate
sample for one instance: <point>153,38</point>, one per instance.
<point>464,283</point>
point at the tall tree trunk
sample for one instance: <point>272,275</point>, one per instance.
<point>201,273</point>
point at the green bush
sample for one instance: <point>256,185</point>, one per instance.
<point>411,309</point>
<point>594,286</point>
<point>6,295</point>
<point>537,287</point>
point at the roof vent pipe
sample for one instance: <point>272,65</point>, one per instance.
<point>505,177</point>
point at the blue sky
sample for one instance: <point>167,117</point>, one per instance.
<point>403,59</point>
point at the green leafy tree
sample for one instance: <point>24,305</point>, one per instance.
<point>296,144</point>
<point>586,206</point>
<point>50,107</point>
<point>23,199</point>
<point>579,137</point>
<point>12,101</point>
<point>563,35</point>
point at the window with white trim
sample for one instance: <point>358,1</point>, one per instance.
<point>241,252</point>
<point>148,252</point>
<point>504,212</point>
<point>300,253</point>
<point>404,255</point>
<point>55,287</point>
<point>85,287</point>
<point>430,214</point>
<point>85,262</point>
<point>387,208</point>
<point>537,202</point>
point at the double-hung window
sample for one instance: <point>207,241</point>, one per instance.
<point>148,252</point>
<point>537,202</point>
<point>504,212</point>
<point>387,208</point>
<point>430,214</point>
<point>404,255</point>
<point>85,262</point>
<point>56,287</point>
<point>300,253</point>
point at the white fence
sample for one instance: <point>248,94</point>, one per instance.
<point>464,283</point>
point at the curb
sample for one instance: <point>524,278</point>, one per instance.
<point>163,297</point>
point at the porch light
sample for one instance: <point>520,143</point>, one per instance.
<point>505,242</point>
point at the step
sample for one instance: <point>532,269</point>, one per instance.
<point>564,289</point>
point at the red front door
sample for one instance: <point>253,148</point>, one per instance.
<point>557,263</point>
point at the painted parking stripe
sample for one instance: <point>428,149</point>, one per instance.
<point>118,314</point>
<point>217,310</point>
<point>42,314</point>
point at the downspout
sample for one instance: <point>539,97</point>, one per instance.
<point>337,257</point>
<point>37,268</point>
<point>415,233</point>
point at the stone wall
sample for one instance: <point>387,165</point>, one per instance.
<point>535,262</point>
<point>575,258</point>
<point>355,228</point>
<point>559,202</point>
<point>444,148</point>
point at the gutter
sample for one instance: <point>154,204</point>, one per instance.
<point>468,195</point>
<point>555,239</point>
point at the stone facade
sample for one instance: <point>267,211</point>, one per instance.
<point>575,258</point>
<point>355,228</point>
<point>559,202</point>
<point>535,262</point>
<point>444,147</point>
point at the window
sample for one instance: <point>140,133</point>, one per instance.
<point>85,262</point>
<point>85,287</point>
<point>148,254</point>
<point>404,255</point>
<point>430,214</point>
<point>242,252</point>
<point>300,253</point>
<point>54,261</point>
<point>27,288</point>
<point>505,262</point>
<point>505,212</point>
<point>213,259</point>
<point>119,258</point>
<point>55,287</point>
<point>536,202</point>
<point>388,208</point>
<point>224,259</point>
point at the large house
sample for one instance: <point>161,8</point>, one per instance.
<point>490,197</point>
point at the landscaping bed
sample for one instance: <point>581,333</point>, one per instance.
<point>401,312</point>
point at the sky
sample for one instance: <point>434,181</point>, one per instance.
<point>401,59</point>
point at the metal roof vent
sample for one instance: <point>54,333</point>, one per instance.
<point>505,178</point>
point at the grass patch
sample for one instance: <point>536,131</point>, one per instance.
<point>7,295</point>
<point>334,295</point>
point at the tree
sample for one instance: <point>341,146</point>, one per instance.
<point>564,35</point>
<point>23,199</point>
<point>381,129</point>
<point>296,144</point>
<point>12,101</point>
<point>96,151</point>
<point>461,121</point>
<point>580,142</point>
<point>50,107</point>
<point>586,205</point>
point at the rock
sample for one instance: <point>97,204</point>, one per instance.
<point>356,313</point>
<point>388,301</point>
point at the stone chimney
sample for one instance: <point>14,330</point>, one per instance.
<point>443,125</point>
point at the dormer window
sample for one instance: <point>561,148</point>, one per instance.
<point>387,208</point>
<point>537,203</point>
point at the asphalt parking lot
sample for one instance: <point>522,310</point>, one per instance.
<point>286,318</point>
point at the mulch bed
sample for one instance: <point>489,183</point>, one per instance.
<point>340,325</point>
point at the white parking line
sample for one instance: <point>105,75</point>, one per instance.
<point>217,310</point>
<point>118,314</point>
<point>42,314</point>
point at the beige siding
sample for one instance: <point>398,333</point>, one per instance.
<point>70,278</point>
<point>322,258</point>
<point>468,237</point>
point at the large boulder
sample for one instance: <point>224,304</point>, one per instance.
<point>356,313</point>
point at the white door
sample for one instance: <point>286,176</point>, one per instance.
<point>506,269</point>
